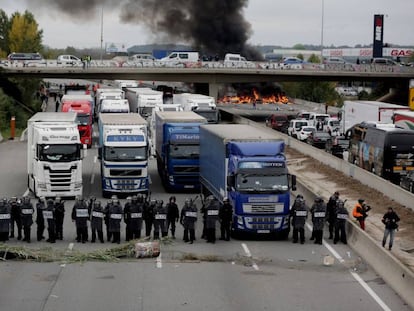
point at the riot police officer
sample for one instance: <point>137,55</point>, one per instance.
<point>115,218</point>
<point>106,217</point>
<point>160,219</point>
<point>97,215</point>
<point>225,216</point>
<point>49,216</point>
<point>16,205</point>
<point>5,217</point>
<point>60,215</point>
<point>212,216</point>
<point>318,211</point>
<point>134,218</point>
<point>27,211</point>
<point>331,213</point>
<point>127,217</point>
<point>340,223</point>
<point>299,213</point>
<point>173,214</point>
<point>80,216</point>
<point>188,219</point>
<point>40,221</point>
<point>149,216</point>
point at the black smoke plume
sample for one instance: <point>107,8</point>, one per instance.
<point>211,26</point>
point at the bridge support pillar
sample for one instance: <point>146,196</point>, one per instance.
<point>210,89</point>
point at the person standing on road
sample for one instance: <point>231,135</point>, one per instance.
<point>60,216</point>
<point>331,213</point>
<point>80,216</point>
<point>127,217</point>
<point>340,222</point>
<point>318,211</point>
<point>49,216</point>
<point>40,221</point>
<point>299,213</point>
<point>160,218</point>
<point>173,214</point>
<point>115,217</point>
<point>360,212</point>
<point>97,215</point>
<point>188,219</point>
<point>16,205</point>
<point>390,220</point>
<point>212,215</point>
<point>106,215</point>
<point>148,215</point>
<point>27,218</point>
<point>134,221</point>
<point>5,217</point>
<point>225,218</point>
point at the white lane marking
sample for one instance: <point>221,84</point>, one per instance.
<point>26,192</point>
<point>159,261</point>
<point>70,246</point>
<point>92,178</point>
<point>246,250</point>
<point>95,158</point>
<point>249,255</point>
<point>369,290</point>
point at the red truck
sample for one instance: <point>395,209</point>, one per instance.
<point>83,108</point>
<point>404,119</point>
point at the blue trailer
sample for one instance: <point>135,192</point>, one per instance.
<point>248,166</point>
<point>177,148</point>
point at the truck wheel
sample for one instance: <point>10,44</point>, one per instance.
<point>284,234</point>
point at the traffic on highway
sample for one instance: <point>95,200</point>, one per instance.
<point>157,151</point>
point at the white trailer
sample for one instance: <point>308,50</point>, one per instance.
<point>114,106</point>
<point>143,100</point>
<point>354,112</point>
<point>201,104</point>
<point>54,155</point>
<point>105,94</point>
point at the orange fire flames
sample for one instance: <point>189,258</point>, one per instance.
<point>256,97</point>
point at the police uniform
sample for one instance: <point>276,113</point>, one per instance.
<point>212,216</point>
<point>160,219</point>
<point>318,211</point>
<point>49,216</point>
<point>5,217</point>
<point>27,211</point>
<point>60,215</point>
<point>331,213</point>
<point>188,219</point>
<point>173,214</point>
<point>114,222</point>
<point>148,216</point>
<point>16,206</point>
<point>97,216</point>
<point>80,216</point>
<point>40,221</point>
<point>134,218</point>
<point>340,223</point>
<point>225,216</point>
<point>299,213</point>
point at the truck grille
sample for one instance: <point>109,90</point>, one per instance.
<point>125,172</point>
<point>60,180</point>
<point>186,169</point>
<point>263,223</point>
<point>263,208</point>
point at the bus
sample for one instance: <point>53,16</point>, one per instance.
<point>383,149</point>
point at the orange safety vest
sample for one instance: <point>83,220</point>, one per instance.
<point>356,211</point>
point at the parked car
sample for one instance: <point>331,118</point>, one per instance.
<point>407,181</point>
<point>305,131</point>
<point>71,60</point>
<point>318,139</point>
<point>295,126</point>
<point>278,121</point>
<point>384,61</point>
<point>292,60</point>
<point>335,60</point>
<point>337,145</point>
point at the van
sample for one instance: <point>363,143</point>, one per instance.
<point>237,60</point>
<point>141,57</point>
<point>295,126</point>
<point>316,119</point>
<point>278,122</point>
<point>384,61</point>
<point>68,60</point>
<point>182,57</point>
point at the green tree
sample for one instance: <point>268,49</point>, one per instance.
<point>315,91</point>
<point>299,46</point>
<point>314,59</point>
<point>4,34</point>
<point>24,34</point>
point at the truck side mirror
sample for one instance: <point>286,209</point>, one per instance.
<point>293,181</point>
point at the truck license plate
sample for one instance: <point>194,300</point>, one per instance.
<point>263,231</point>
<point>189,186</point>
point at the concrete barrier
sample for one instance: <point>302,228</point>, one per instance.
<point>1,138</point>
<point>23,136</point>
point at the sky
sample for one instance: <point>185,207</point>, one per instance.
<point>273,22</point>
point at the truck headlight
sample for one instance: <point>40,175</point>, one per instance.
<point>107,183</point>
<point>171,179</point>
<point>240,220</point>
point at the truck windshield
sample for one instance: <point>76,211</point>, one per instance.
<point>261,183</point>
<point>59,153</point>
<point>125,154</point>
<point>83,119</point>
<point>184,151</point>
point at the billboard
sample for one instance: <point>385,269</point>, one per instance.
<point>378,35</point>
<point>113,47</point>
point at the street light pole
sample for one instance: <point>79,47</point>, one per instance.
<point>322,22</point>
<point>101,33</point>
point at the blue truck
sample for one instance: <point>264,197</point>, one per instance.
<point>248,166</point>
<point>177,148</point>
<point>123,151</point>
